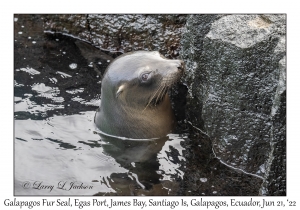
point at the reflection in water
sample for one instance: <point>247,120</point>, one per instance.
<point>65,149</point>
<point>50,153</point>
<point>139,157</point>
<point>149,166</point>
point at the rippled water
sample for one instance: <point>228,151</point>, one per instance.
<point>68,149</point>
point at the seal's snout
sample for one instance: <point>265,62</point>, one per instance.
<point>181,66</point>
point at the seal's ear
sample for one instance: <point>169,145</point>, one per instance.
<point>120,90</point>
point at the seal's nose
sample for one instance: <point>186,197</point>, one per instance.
<point>181,66</point>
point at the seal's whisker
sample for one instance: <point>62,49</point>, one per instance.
<point>161,84</point>
<point>161,94</point>
<point>156,93</point>
<point>153,96</point>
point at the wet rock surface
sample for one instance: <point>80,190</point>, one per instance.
<point>123,33</point>
<point>236,80</point>
<point>205,175</point>
<point>275,178</point>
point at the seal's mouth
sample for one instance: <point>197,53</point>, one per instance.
<point>170,78</point>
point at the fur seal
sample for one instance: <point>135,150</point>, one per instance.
<point>134,99</point>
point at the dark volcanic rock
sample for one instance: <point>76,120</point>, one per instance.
<point>123,33</point>
<point>236,78</point>
<point>275,182</point>
<point>206,175</point>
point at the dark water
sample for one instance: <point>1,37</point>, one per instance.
<point>67,149</point>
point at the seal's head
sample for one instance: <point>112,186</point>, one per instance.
<point>134,99</point>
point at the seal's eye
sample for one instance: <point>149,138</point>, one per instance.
<point>145,77</point>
